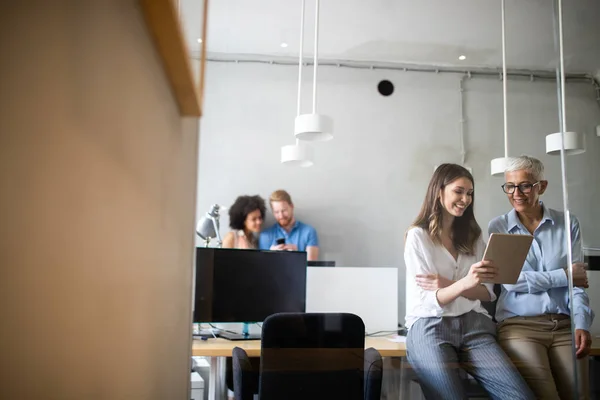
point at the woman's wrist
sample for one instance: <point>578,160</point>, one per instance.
<point>450,293</point>
<point>463,285</point>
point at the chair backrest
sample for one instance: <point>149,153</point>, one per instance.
<point>490,306</point>
<point>312,356</point>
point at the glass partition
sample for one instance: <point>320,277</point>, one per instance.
<point>192,14</point>
<point>580,158</point>
<point>404,99</point>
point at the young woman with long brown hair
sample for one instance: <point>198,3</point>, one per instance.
<point>448,329</point>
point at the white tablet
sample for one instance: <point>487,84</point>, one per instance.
<point>508,252</point>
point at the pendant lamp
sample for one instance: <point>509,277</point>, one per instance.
<point>498,165</point>
<point>314,127</point>
<point>299,154</point>
<point>574,143</point>
<point>571,142</point>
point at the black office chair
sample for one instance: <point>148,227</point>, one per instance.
<point>490,306</point>
<point>311,356</point>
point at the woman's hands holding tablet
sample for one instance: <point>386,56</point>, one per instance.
<point>470,287</point>
<point>481,272</point>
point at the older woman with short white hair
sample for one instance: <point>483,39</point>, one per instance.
<point>534,315</point>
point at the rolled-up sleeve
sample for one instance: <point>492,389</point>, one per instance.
<point>416,264</point>
<point>583,315</point>
<point>536,281</point>
<point>490,289</point>
<point>582,312</point>
<point>312,238</point>
<point>576,242</point>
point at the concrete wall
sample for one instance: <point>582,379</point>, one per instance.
<point>368,183</point>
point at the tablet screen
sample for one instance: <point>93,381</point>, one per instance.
<point>508,252</point>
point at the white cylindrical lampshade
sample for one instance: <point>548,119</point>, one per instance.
<point>297,155</point>
<point>499,166</point>
<point>313,127</point>
<point>598,130</point>
<point>574,143</point>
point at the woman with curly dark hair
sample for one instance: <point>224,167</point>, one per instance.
<point>246,217</point>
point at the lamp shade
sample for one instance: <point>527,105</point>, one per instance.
<point>313,127</point>
<point>598,130</point>
<point>499,166</point>
<point>208,226</point>
<point>298,155</point>
<point>206,229</point>
<point>574,143</point>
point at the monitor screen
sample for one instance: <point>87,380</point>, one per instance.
<point>593,262</point>
<point>321,263</point>
<point>235,285</point>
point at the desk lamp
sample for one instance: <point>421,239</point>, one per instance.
<point>208,226</point>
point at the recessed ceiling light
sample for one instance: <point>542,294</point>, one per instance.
<point>199,40</point>
<point>462,57</point>
<point>284,45</point>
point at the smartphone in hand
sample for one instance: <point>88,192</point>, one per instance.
<point>280,241</point>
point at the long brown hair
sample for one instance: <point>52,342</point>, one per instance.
<point>465,230</point>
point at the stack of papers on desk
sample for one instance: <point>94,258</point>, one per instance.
<point>397,339</point>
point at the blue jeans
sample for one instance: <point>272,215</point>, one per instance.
<point>438,348</point>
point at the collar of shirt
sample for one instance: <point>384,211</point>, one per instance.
<point>286,233</point>
<point>513,220</point>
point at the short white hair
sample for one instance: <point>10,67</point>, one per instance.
<point>526,163</point>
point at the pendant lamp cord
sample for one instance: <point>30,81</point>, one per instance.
<point>300,60</point>
<point>504,82</point>
<point>563,129</point>
<point>300,56</point>
<point>316,62</point>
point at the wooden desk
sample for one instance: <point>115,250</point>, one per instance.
<point>217,349</point>
<point>224,348</point>
<point>387,348</point>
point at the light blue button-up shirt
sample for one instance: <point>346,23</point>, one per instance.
<point>542,287</point>
<point>302,235</point>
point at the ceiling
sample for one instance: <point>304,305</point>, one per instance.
<point>406,31</point>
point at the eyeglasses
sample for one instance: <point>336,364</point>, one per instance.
<point>524,188</point>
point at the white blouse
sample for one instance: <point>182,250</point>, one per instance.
<point>423,256</point>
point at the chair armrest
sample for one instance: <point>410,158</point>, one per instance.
<point>244,377</point>
<point>373,374</point>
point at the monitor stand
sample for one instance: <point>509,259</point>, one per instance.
<point>245,335</point>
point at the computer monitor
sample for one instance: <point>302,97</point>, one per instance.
<point>593,262</point>
<point>234,285</point>
<point>321,263</point>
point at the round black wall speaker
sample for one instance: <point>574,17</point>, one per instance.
<point>385,87</point>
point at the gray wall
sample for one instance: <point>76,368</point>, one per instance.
<point>367,184</point>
